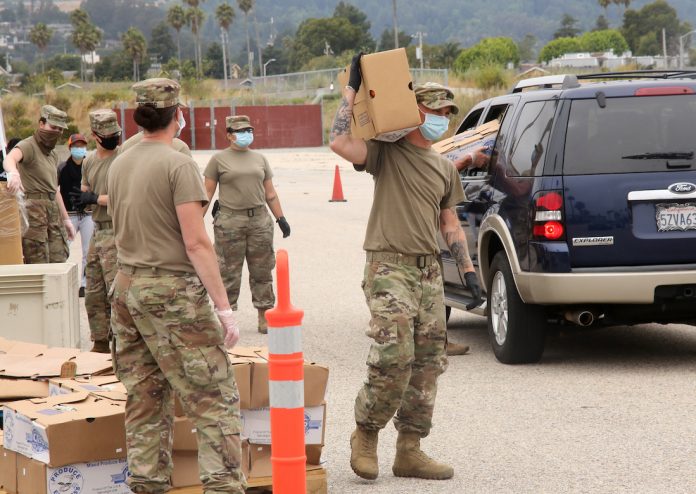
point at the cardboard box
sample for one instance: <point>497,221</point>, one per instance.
<point>385,106</point>
<point>19,389</point>
<point>256,425</point>
<point>258,461</point>
<point>65,429</point>
<point>89,384</point>
<point>10,228</point>
<point>8,469</point>
<point>185,472</point>
<point>459,145</point>
<point>185,435</point>
<point>96,477</point>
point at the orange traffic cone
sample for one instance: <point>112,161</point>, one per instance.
<point>337,188</point>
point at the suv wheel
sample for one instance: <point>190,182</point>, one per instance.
<point>517,330</point>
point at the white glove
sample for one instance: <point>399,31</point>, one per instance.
<point>70,228</point>
<point>229,324</point>
<point>14,182</point>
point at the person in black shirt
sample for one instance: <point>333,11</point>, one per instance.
<point>69,180</point>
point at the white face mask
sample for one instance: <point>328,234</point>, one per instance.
<point>181,122</point>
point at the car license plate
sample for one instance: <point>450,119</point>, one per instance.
<point>671,217</point>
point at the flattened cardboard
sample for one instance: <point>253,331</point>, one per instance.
<point>19,389</point>
<point>98,477</point>
<point>26,364</point>
<point>458,145</point>
<point>256,425</point>
<point>8,469</point>
<point>89,384</point>
<point>385,106</point>
<point>66,429</point>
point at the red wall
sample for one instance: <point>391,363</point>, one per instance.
<point>274,126</point>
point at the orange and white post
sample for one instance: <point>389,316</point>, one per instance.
<point>286,387</point>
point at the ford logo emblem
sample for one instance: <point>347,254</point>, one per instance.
<point>682,188</point>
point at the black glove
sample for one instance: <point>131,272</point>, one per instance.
<point>355,78</point>
<point>473,285</point>
<point>215,208</point>
<point>284,227</point>
<point>82,199</point>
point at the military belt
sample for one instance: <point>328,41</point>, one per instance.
<point>149,271</point>
<point>251,212</point>
<point>103,225</point>
<point>40,195</point>
<point>419,261</point>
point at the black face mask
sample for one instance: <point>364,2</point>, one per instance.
<point>110,142</point>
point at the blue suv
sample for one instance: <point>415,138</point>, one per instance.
<point>586,213</point>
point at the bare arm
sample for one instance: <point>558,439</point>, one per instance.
<point>210,186</point>
<point>200,252</point>
<point>272,199</point>
<point>455,238</point>
<point>64,214</point>
<point>10,165</point>
<point>342,142</point>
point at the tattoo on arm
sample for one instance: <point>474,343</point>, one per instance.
<point>456,241</point>
<point>341,125</point>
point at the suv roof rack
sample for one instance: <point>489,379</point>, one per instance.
<point>565,81</point>
<point>642,74</point>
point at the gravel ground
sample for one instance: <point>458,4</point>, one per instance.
<point>606,411</point>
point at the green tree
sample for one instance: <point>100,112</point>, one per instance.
<point>246,6</point>
<point>526,47</point>
<point>176,17</point>
<point>64,62</point>
<point>195,17</point>
<point>558,47</point>
<point>605,5</point>
<point>386,40</point>
<point>85,36</point>
<point>488,51</point>
<point>225,14</point>
<point>314,36</point>
<point>40,35</point>
<point>444,55</point>
<point>135,46</point>
<point>601,41</point>
<point>568,28</point>
<point>359,19</point>
<point>642,28</point>
<point>601,24</point>
<point>161,42</point>
<point>213,62</point>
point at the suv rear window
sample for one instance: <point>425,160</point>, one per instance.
<point>621,137</point>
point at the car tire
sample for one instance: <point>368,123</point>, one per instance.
<point>517,330</point>
<point>448,311</point>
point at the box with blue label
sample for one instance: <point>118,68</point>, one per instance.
<point>93,477</point>
<point>256,425</point>
<point>65,429</point>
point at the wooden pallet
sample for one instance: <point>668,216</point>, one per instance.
<point>316,484</point>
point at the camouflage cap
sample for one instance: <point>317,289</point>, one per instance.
<point>54,116</point>
<point>158,92</point>
<point>435,96</point>
<point>104,122</point>
<point>238,122</point>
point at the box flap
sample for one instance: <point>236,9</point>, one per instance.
<point>16,389</point>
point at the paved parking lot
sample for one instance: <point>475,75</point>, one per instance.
<point>606,411</point>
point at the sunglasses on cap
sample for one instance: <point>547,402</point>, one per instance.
<point>240,131</point>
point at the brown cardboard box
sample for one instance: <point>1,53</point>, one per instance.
<point>185,472</point>
<point>185,435</point>
<point>19,389</point>
<point>259,461</point>
<point>8,469</point>
<point>89,384</point>
<point>33,361</point>
<point>10,228</point>
<point>65,429</point>
<point>456,146</point>
<point>385,106</point>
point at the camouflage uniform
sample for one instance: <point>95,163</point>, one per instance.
<point>46,240</point>
<point>408,353</point>
<point>168,340</point>
<point>101,258</point>
<point>239,237</point>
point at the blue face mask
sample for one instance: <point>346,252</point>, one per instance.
<point>244,139</point>
<point>78,153</point>
<point>434,126</point>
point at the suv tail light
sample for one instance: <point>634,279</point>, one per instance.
<point>663,91</point>
<point>548,215</point>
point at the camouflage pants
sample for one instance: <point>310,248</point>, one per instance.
<point>101,270</point>
<point>167,340</point>
<point>408,353</point>
<point>239,237</point>
<point>46,240</point>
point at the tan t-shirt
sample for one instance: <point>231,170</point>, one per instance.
<point>39,172</point>
<point>178,144</point>
<point>145,185</point>
<point>94,173</point>
<point>241,175</point>
<point>412,186</point>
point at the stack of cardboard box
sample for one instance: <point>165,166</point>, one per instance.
<point>10,228</point>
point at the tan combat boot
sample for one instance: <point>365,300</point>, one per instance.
<point>101,346</point>
<point>410,461</point>
<point>263,325</point>
<point>456,349</point>
<point>363,453</point>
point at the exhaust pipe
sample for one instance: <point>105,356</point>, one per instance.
<point>580,317</point>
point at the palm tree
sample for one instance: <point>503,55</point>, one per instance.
<point>245,6</point>
<point>86,37</point>
<point>134,44</point>
<point>41,35</point>
<point>195,18</point>
<point>225,16</point>
<point>176,17</point>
